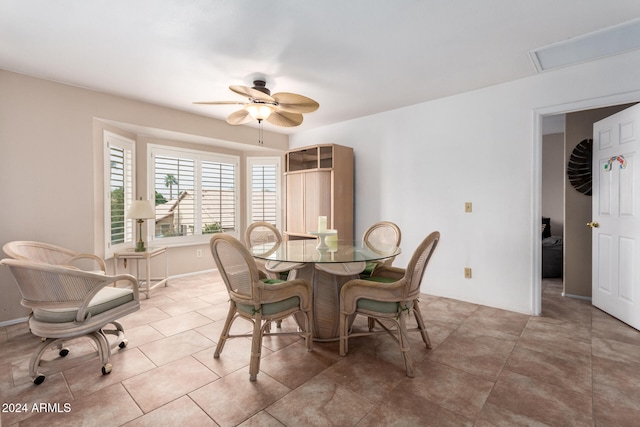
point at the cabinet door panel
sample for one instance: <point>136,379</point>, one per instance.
<point>317,191</point>
<point>295,203</point>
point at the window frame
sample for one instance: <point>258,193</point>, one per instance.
<point>198,156</point>
<point>258,161</point>
<point>111,139</point>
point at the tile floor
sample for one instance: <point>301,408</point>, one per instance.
<point>572,366</point>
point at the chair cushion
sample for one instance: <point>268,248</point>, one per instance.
<point>366,273</point>
<point>377,306</point>
<point>104,300</point>
<point>381,279</point>
<point>274,307</point>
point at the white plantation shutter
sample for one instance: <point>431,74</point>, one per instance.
<point>218,196</point>
<point>174,186</point>
<point>264,189</point>
<point>119,191</point>
<point>195,192</point>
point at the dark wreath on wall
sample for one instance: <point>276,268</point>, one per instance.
<point>579,167</point>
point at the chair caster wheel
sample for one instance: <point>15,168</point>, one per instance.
<point>106,369</point>
<point>123,344</point>
<point>38,380</point>
<point>64,352</point>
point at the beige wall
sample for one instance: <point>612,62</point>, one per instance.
<point>51,165</point>
<point>553,172</point>
<point>577,236</point>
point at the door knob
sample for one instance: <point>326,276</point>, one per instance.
<point>593,224</point>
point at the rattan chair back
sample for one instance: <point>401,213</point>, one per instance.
<point>237,267</point>
<point>382,235</point>
<point>418,264</point>
<point>262,233</point>
<point>265,233</point>
<point>51,254</point>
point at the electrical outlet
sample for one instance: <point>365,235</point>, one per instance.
<point>467,273</point>
<point>467,207</point>
<point>199,253</point>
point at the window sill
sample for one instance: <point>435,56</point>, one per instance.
<point>177,242</point>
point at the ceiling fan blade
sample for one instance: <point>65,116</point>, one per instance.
<point>239,117</point>
<point>294,103</point>
<point>220,102</point>
<point>250,92</point>
<point>285,119</point>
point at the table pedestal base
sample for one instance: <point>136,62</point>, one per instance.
<point>326,296</point>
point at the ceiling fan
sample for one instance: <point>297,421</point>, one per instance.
<point>280,109</point>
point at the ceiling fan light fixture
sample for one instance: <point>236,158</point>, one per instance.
<point>259,111</point>
<point>282,109</point>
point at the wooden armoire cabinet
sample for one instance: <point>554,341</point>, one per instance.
<point>319,182</point>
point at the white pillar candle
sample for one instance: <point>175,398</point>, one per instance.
<point>322,224</point>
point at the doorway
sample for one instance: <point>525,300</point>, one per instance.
<point>546,116</point>
<point>553,207</point>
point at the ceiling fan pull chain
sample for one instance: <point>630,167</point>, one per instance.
<point>260,133</point>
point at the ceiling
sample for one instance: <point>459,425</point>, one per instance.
<point>356,57</point>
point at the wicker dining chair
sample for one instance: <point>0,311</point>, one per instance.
<point>68,303</point>
<point>260,301</point>
<point>381,235</point>
<point>389,296</point>
<point>265,233</point>
<point>54,255</point>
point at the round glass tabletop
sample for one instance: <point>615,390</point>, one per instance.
<point>307,250</point>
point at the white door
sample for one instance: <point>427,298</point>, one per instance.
<point>616,216</point>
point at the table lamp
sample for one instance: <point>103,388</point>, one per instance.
<point>140,210</point>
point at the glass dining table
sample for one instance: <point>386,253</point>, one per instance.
<point>326,269</point>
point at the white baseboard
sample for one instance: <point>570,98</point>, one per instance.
<point>195,273</point>
<point>576,296</point>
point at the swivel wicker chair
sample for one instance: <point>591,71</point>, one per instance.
<point>68,303</point>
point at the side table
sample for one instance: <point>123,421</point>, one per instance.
<point>151,252</point>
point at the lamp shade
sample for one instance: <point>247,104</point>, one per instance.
<point>140,209</point>
<point>259,111</point>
